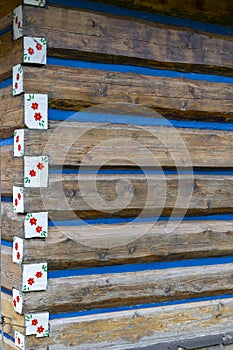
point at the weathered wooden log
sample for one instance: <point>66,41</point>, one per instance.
<point>135,328</point>
<point>83,246</point>
<point>209,11</point>
<point>92,86</point>
<point>12,320</point>
<point>128,41</point>
<point>75,293</point>
<point>8,344</point>
<point>8,6</point>
<point>11,53</point>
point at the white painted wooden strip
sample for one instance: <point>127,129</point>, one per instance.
<point>17,301</point>
<point>36,171</point>
<point>19,143</point>
<point>34,50</point>
<point>34,277</point>
<point>20,340</point>
<point>37,324</point>
<point>17,251</point>
<point>36,111</point>
<point>36,225</point>
<point>39,3</point>
<point>18,200</point>
<point>18,22</point>
<point>17,75</point>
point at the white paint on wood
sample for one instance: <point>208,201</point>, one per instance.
<point>37,324</point>
<point>36,225</point>
<point>17,75</point>
<point>20,340</point>
<point>39,3</point>
<point>18,22</point>
<point>34,50</point>
<point>34,277</point>
<point>17,251</point>
<point>36,171</point>
<point>19,143</point>
<point>17,300</point>
<point>36,111</point>
<point>18,199</point>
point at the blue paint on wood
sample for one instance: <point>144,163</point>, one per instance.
<point>7,243</point>
<point>7,199</point>
<point>6,291</point>
<point>140,267</point>
<point>8,336</point>
<point>7,142</point>
<point>120,68</point>
<point>5,83</point>
<point>6,30</point>
<point>137,307</point>
<point>135,120</point>
<point>152,17</point>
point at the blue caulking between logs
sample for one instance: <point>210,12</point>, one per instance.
<point>7,336</point>
<point>177,21</point>
<point>137,307</point>
<point>5,83</point>
<point>121,68</point>
<point>6,30</point>
<point>6,142</point>
<point>135,120</point>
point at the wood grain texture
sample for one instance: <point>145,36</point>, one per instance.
<point>211,11</point>
<point>84,246</point>
<point>11,53</point>
<point>128,40</point>
<point>11,273</point>
<point>94,87</point>
<point>132,329</point>
<point>7,6</point>
<point>12,320</point>
<point>11,112</point>
<point>120,289</point>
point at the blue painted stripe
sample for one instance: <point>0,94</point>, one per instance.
<point>7,142</point>
<point>7,243</point>
<point>6,30</point>
<point>135,120</point>
<point>177,21</point>
<point>112,221</point>
<point>6,291</point>
<point>120,68</point>
<point>5,83</point>
<point>137,307</point>
<point>8,336</point>
<point>6,199</point>
<point>140,267</point>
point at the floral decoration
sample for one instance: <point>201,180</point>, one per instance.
<point>35,50</point>
<point>36,225</point>
<point>36,111</point>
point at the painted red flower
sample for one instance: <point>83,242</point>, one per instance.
<point>31,281</point>
<point>16,19</point>
<point>18,299</point>
<point>33,221</point>
<point>19,147</point>
<point>37,116</point>
<point>18,24</point>
<point>39,229</point>
<point>34,106</point>
<point>16,246</point>
<point>34,322</point>
<point>16,85</point>
<point>40,166</point>
<point>17,139</point>
<point>16,202</point>
<point>32,173</point>
<point>14,303</point>
<point>19,341</point>
<point>18,255</point>
<point>19,196</point>
<point>39,46</point>
<point>30,51</point>
<point>17,76</point>
<point>40,329</point>
<point>39,274</point>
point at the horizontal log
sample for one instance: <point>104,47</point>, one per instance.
<point>8,6</point>
<point>128,195</point>
<point>12,320</point>
<point>128,40</point>
<point>69,294</point>
<point>93,86</point>
<point>210,11</point>
<point>100,245</point>
<point>11,111</point>
<point>11,273</point>
<point>11,53</point>
<point>138,328</point>
<point>8,344</point>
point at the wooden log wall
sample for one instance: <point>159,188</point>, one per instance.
<point>114,119</point>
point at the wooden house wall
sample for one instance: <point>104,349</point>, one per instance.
<point>121,67</point>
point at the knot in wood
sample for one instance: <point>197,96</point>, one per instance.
<point>69,193</point>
